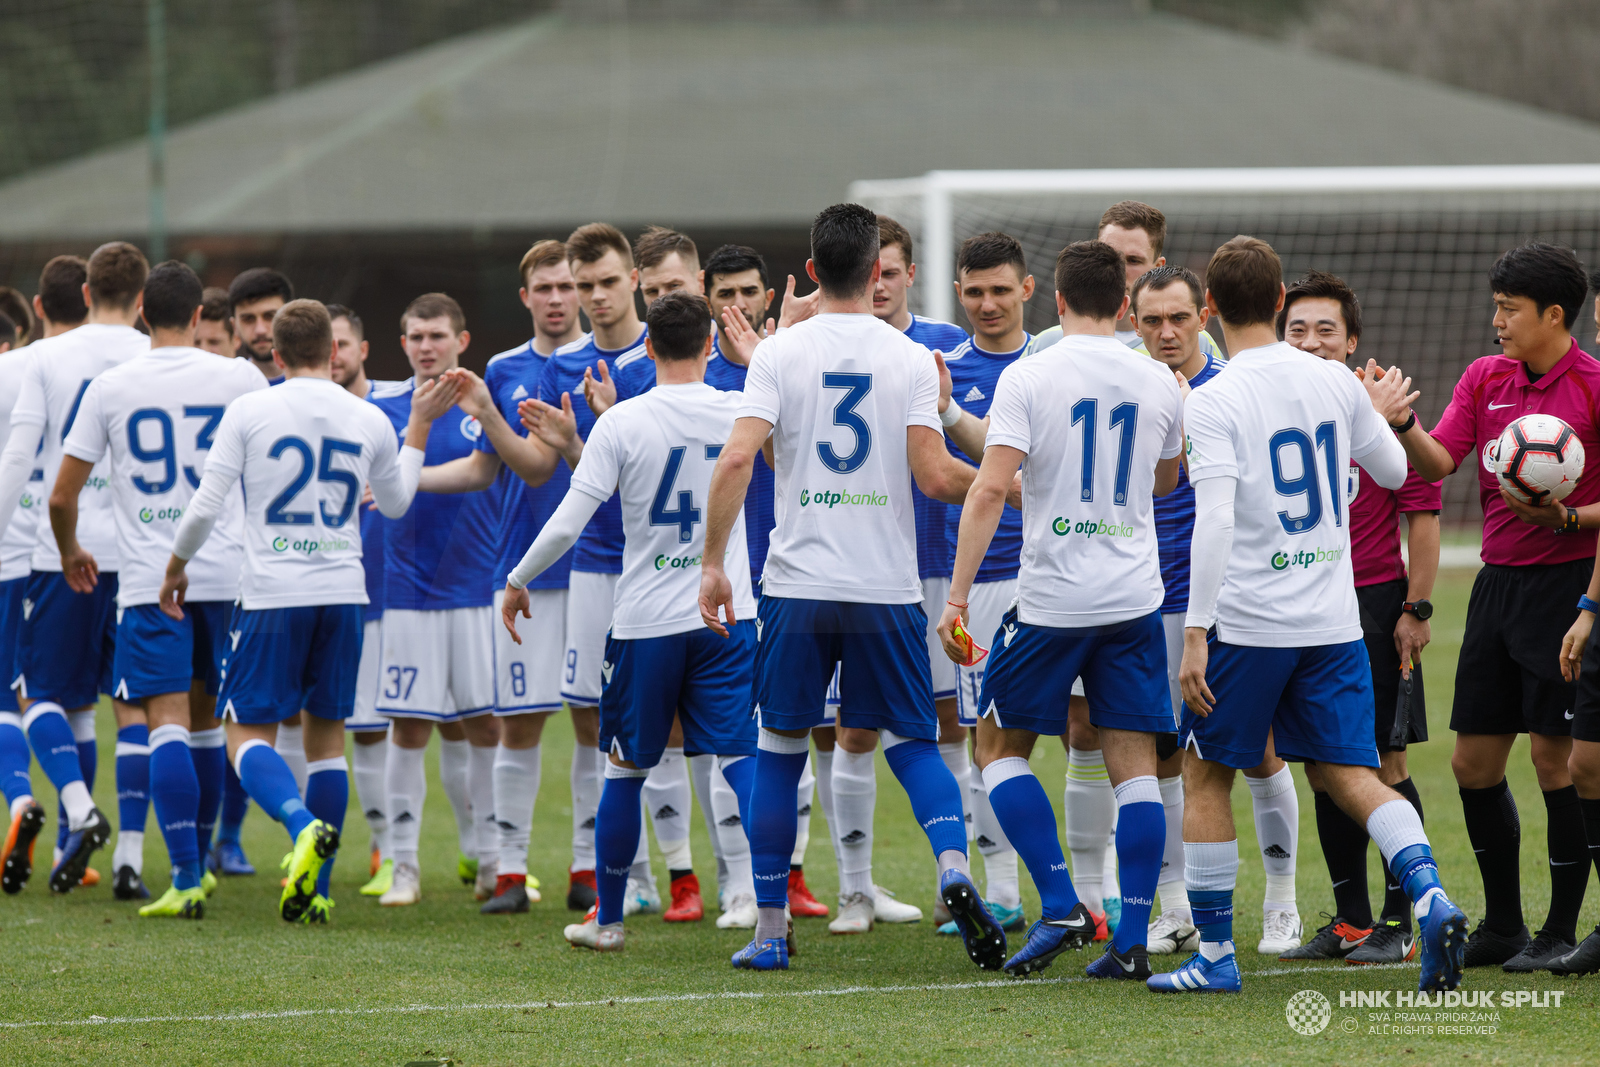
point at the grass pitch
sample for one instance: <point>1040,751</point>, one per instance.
<point>88,981</point>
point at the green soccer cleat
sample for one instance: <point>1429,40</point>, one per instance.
<point>467,869</point>
<point>178,904</point>
<point>317,911</point>
<point>208,883</point>
<point>380,882</point>
<point>312,848</point>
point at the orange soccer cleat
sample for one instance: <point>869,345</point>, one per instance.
<point>377,861</point>
<point>802,905</point>
<point>16,861</point>
<point>686,905</point>
<point>90,877</point>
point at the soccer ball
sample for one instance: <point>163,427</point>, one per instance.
<point>1538,459</point>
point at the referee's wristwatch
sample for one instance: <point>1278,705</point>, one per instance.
<point>1569,524</point>
<point>1422,609</point>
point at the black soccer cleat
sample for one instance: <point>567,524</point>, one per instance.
<point>1485,948</point>
<point>1541,950</point>
<point>80,845</point>
<point>581,893</point>
<point>127,885</point>
<point>984,940</point>
<point>1334,941</point>
<point>17,866</point>
<point>1585,959</point>
<point>1391,941</point>
<point>1113,964</point>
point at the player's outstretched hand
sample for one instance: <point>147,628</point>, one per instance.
<point>716,591</point>
<point>1192,674</point>
<point>953,648</point>
<point>1552,514</point>
<point>433,399</point>
<point>1391,393</point>
<point>739,334</point>
<point>474,395</point>
<point>1411,636</point>
<point>601,394</point>
<point>174,589</point>
<point>796,308</point>
<point>946,386</point>
<point>514,604</point>
<point>1573,644</point>
<point>80,570</point>
<point>555,426</point>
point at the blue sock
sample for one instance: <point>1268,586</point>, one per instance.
<point>1141,836</point>
<point>617,826</point>
<point>210,771</point>
<point>773,822</point>
<point>327,797</point>
<point>1415,870</point>
<point>271,784</point>
<point>741,778</point>
<point>14,758</point>
<point>175,792</point>
<point>1213,913</point>
<point>235,802</point>
<point>133,777</point>
<point>53,744</point>
<point>935,797</point>
<point>1025,814</point>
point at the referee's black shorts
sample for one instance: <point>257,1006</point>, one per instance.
<point>1508,679</point>
<point>1586,712</point>
<point>1400,715</point>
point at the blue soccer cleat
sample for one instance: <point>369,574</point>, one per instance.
<point>769,955</point>
<point>1049,938</point>
<point>1113,964</point>
<point>1199,975</point>
<point>982,936</point>
<point>1444,945</point>
<point>80,845</point>
<point>227,857</point>
<point>1011,920</point>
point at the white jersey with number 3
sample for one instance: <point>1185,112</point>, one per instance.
<point>840,391</point>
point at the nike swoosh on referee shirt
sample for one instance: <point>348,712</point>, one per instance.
<point>1497,407</point>
<point>1569,715</point>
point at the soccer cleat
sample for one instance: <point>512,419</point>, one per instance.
<point>687,906</point>
<point>740,913</point>
<point>530,885</point>
<point>208,883</point>
<point>581,892</point>
<point>178,904</point>
<point>486,880</point>
<point>16,865</point>
<point>590,934</point>
<point>127,885</point>
<point>377,861</point>
<point>1537,956</point>
<point>1113,964</point>
<point>72,868</point>
<point>90,879</point>
<point>405,887</point>
<point>466,868</point>
<point>1585,959</point>
<point>316,912</point>
<point>1049,938</point>
<point>801,903</point>
<point>1102,928</point>
<point>1171,934</point>
<point>941,914</point>
<point>1199,975</point>
<point>380,882</point>
<point>855,915</point>
<point>1391,941</point>
<point>886,909</point>
<point>1335,941</point>
<point>1444,938</point>
<point>640,899</point>
<point>1280,932</point>
<point>1113,911</point>
<point>1010,919</point>
<point>1485,948</point>
<point>228,858</point>
<point>984,940</point>
<point>312,847</point>
<point>769,955</point>
<point>510,896</point>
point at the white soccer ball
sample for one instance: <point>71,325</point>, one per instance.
<point>1538,459</point>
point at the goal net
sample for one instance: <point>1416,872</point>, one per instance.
<point>1415,243</point>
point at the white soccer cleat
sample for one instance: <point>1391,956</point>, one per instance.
<point>886,909</point>
<point>640,899</point>
<point>855,915</point>
<point>406,887</point>
<point>1172,934</point>
<point>941,913</point>
<point>488,875</point>
<point>740,913</point>
<point>590,934</point>
<point>1280,932</point>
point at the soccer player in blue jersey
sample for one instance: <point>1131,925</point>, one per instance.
<point>850,403</point>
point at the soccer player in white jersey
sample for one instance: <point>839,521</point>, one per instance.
<point>1273,640</point>
<point>1106,426</point>
<point>850,404</point>
<point>657,451</point>
<point>303,453</point>
<point>153,419</point>
<point>64,658</point>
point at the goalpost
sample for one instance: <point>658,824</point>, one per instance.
<point>1415,243</point>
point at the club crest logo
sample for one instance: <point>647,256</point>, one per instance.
<point>471,428</point>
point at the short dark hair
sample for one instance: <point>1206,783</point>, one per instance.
<point>117,271</point>
<point>1244,277</point>
<point>1544,273</point>
<point>1092,279</point>
<point>302,334</point>
<point>8,329</point>
<point>989,250</point>
<point>1321,285</point>
<point>656,243</point>
<point>1137,215</point>
<point>214,307</point>
<point>258,283</point>
<point>339,311</point>
<point>435,306</point>
<point>171,293</point>
<point>679,324</point>
<point>14,306</point>
<point>61,290</point>
<point>734,259</point>
<point>890,232</point>
<point>1158,278</point>
<point>844,246</point>
<point>545,253</point>
<point>591,241</point>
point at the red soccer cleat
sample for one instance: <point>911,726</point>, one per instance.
<point>1101,931</point>
<point>376,863</point>
<point>686,905</point>
<point>802,905</point>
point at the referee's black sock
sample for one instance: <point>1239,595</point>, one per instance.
<point>1496,835</point>
<point>1591,825</point>
<point>1344,847</point>
<point>1396,905</point>
<point>1569,860</point>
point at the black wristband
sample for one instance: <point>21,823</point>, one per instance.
<point>1403,427</point>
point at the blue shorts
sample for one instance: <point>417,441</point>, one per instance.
<point>1317,702</point>
<point>700,677</point>
<point>1028,680</point>
<point>285,659</point>
<point>157,654</point>
<point>68,640</point>
<point>882,652</point>
<point>11,594</point>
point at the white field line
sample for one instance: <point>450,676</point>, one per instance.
<point>416,1009</point>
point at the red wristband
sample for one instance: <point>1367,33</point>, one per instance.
<point>953,604</point>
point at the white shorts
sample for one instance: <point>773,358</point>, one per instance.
<point>527,677</point>
<point>987,602</point>
<point>365,716</point>
<point>1173,625</point>
<point>935,592</point>
<point>590,599</point>
<point>437,665</point>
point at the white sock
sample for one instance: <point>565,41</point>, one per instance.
<point>825,798</point>
<point>701,770</point>
<point>1277,811</point>
<point>480,768</point>
<point>1174,892</point>
<point>731,833</point>
<point>1394,826</point>
<point>516,788</point>
<point>955,757</point>
<point>291,745</point>
<point>455,774</point>
<point>407,789</point>
<point>584,779</point>
<point>667,799</point>
<point>1001,883</point>
<point>802,812</point>
<point>370,765</point>
<point>1212,867</point>
<point>855,798</point>
<point>1091,813</point>
<point>129,851</point>
<point>18,804</point>
<point>1109,887</point>
<point>79,804</point>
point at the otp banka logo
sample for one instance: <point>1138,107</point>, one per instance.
<point>471,428</point>
<point>164,514</point>
<point>26,501</point>
<point>309,546</point>
<point>1306,557</point>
